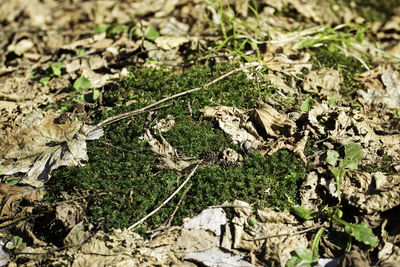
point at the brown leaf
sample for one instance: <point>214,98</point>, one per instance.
<point>12,195</point>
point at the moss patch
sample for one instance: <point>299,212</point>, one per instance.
<point>373,10</point>
<point>122,187</point>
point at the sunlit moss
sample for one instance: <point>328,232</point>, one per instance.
<point>121,187</point>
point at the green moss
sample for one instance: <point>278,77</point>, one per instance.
<point>122,187</point>
<point>384,164</point>
<point>374,10</point>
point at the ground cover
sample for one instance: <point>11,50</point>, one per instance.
<point>174,133</point>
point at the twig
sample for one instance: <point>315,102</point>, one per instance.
<point>143,109</point>
<point>167,223</point>
<point>166,201</point>
<point>171,217</point>
<point>287,234</point>
<point>118,148</point>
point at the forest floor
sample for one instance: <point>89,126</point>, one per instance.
<point>200,133</point>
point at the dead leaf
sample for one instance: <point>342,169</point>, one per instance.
<point>272,122</point>
<point>69,214</point>
<point>324,82</point>
<point>12,195</point>
<point>390,96</point>
<point>234,122</point>
<point>164,151</point>
<point>216,257</point>
<point>372,191</point>
<point>208,219</point>
<point>39,149</point>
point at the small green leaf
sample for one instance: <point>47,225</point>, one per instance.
<point>15,242</point>
<point>12,180</point>
<point>353,153</point>
<point>95,95</point>
<point>151,34</point>
<point>301,257</point>
<point>101,28</point>
<point>338,172</point>
<point>137,32</point>
<point>339,213</point>
<point>303,212</point>
<point>332,101</point>
<point>397,113</point>
<point>82,83</point>
<point>80,52</point>
<point>307,104</point>
<point>361,233</point>
<point>45,80</point>
<point>32,74</point>
<point>117,28</point>
<point>252,221</point>
<point>151,61</point>
<point>64,108</point>
<point>56,69</point>
<point>332,157</point>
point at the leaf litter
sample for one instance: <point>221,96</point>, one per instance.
<point>34,143</point>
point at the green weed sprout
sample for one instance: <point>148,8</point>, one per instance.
<point>338,40</point>
<point>14,243</point>
<point>53,71</point>
<point>237,34</point>
<point>333,215</point>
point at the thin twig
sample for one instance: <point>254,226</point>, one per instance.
<point>118,148</point>
<point>167,223</point>
<point>166,201</point>
<point>143,109</point>
<point>287,234</point>
<point>171,217</point>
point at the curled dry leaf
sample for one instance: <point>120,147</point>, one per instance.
<point>388,96</point>
<point>165,152</point>
<point>216,257</point>
<point>208,219</point>
<point>234,122</point>
<point>12,195</point>
<point>69,214</point>
<point>277,249</point>
<point>308,194</point>
<point>272,122</point>
<point>372,191</point>
<point>325,82</point>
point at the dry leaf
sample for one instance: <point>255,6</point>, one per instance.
<point>372,191</point>
<point>216,257</point>
<point>12,195</point>
<point>234,122</point>
<point>324,82</point>
<point>272,122</point>
<point>208,219</point>
<point>39,149</point>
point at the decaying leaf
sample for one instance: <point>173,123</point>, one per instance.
<point>324,82</point>
<point>11,196</point>
<point>308,195</point>
<point>208,219</point>
<point>372,191</point>
<point>272,122</point>
<point>216,257</point>
<point>234,122</point>
<point>39,149</point>
<point>69,215</point>
<point>165,152</point>
<point>390,96</point>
